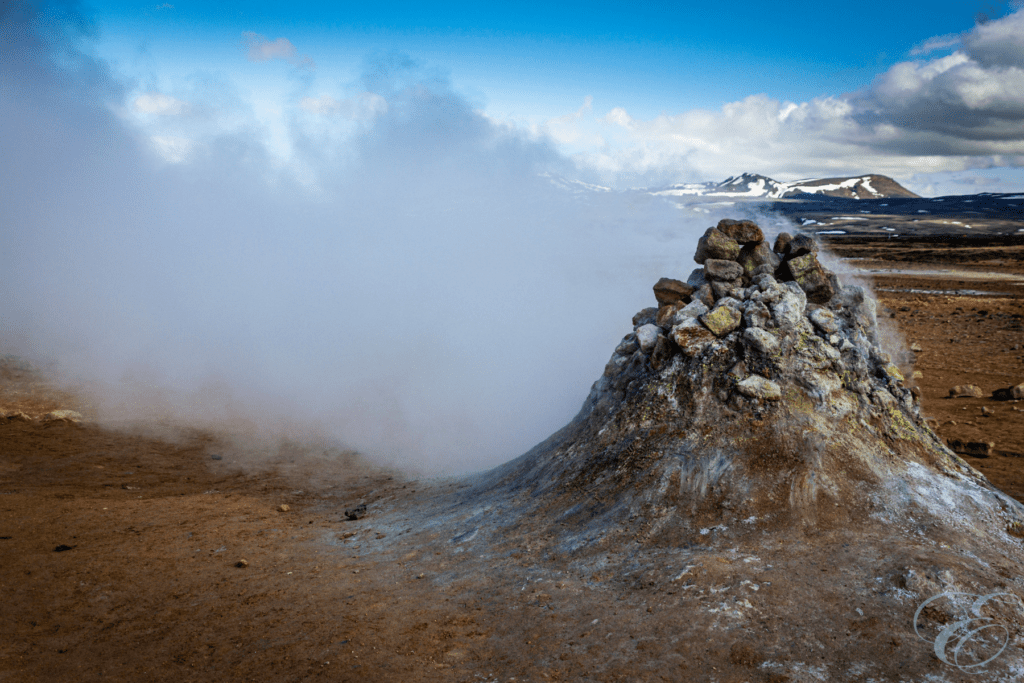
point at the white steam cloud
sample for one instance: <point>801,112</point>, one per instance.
<point>424,293</point>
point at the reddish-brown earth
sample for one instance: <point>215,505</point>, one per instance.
<point>965,339</point>
<point>146,585</point>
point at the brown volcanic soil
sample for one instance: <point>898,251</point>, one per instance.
<point>965,308</point>
<point>149,588</point>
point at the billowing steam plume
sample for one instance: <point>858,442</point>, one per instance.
<point>423,293</point>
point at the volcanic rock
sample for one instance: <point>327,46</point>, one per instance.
<point>694,309</point>
<point>966,391</point>
<point>977,449</point>
<point>756,386</point>
<point>816,368</point>
<point>696,278</point>
<point>800,245</point>
<point>647,336</point>
<point>738,372</point>
<point>756,314</point>
<point>744,232</point>
<point>754,256</point>
<point>729,288</point>
<point>1013,393</point>
<point>662,352</point>
<point>669,291</point>
<point>787,303</point>
<point>627,346</point>
<point>645,316</point>
<point>720,270</point>
<point>761,340</point>
<point>714,244</point>
<point>358,512</point>
<point>818,284</point>
<point>724,318</point>
<point>667,315</point>
<point>705,294</point>
<point>805,270</point>
<point>824,320</point>
<point>800,266</point>
<point>782,243</point>
<point>692,337</point>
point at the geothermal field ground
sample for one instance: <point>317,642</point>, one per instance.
<point>169,556</point>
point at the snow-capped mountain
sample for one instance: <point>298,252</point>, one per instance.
<point>753,186</point>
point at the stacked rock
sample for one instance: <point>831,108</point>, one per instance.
<point>761,319</point>
<point>735,253</point>
<point>800,264</point>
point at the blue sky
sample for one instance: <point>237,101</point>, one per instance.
<point>633,94</point>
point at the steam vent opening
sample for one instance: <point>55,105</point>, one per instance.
<point>754,460</point>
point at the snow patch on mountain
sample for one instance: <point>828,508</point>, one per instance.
<point>754,186</point>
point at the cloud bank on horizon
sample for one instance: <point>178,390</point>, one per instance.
<point>948,113</point>
<point>956,106</point>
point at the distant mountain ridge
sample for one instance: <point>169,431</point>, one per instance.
<point>754,186</point>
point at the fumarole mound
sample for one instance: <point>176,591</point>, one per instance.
<point>756,387</point>
<point>752,457</point>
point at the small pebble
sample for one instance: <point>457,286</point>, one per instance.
<point>242,564</point>
<point>283,508</point>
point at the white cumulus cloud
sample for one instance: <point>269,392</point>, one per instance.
<point>937,43</point>
<point>998,43</point>
<point>160,104</point>
<point>363,107</point>
<point>947,113</point>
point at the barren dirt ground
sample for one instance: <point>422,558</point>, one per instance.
<point>119,553</point>
<point>965,308</point>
